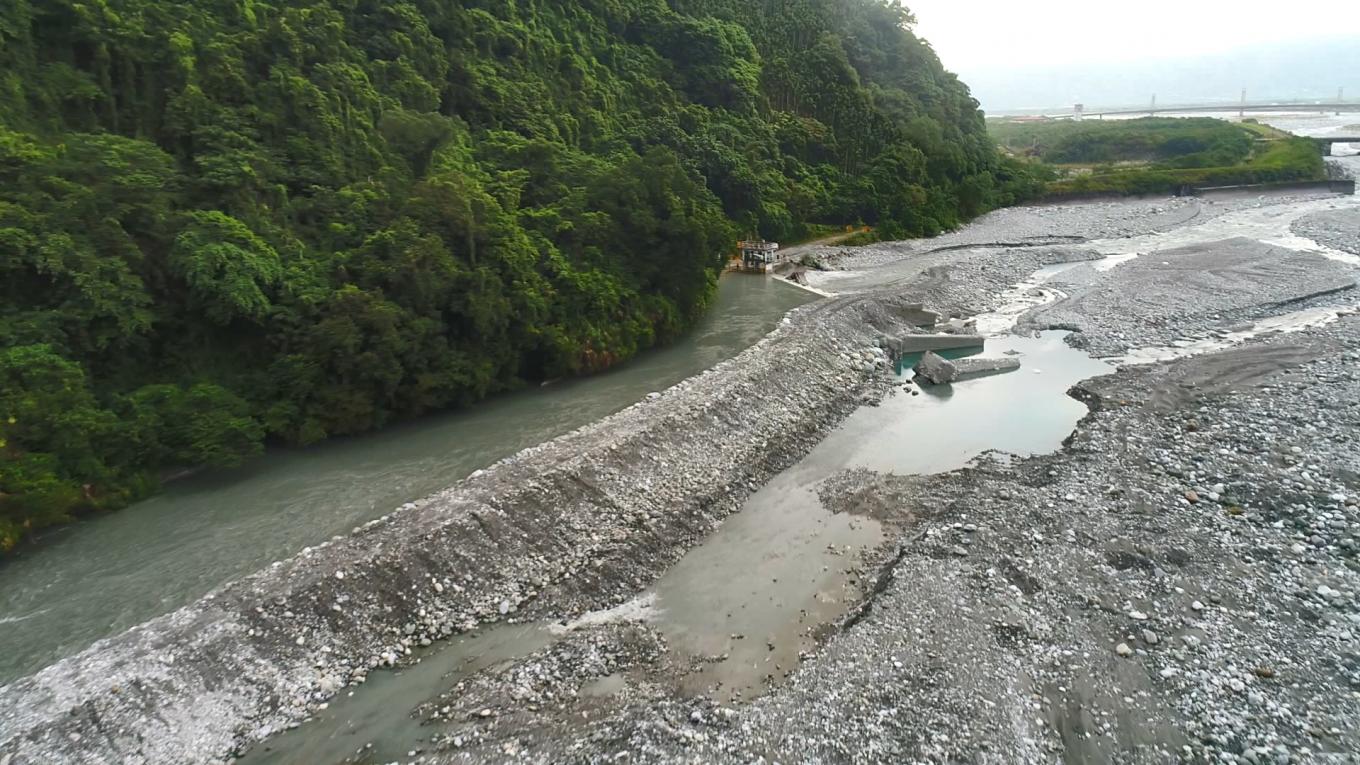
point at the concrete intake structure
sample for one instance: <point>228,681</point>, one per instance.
<point>909,343</point>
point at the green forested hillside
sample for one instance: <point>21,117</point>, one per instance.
<point>224,222</point>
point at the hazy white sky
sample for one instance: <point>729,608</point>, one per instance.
<point>974,36</point>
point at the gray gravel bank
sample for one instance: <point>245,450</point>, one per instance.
<point>1037,226</point>
<point>1338,229</point>
<point>1189,293</point>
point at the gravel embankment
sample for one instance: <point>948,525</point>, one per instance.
<point>1188,294</point>
<point>1338,229</point>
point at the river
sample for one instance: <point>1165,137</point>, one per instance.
<point>99,577</point>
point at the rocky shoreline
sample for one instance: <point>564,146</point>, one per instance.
<point>1103,603</point>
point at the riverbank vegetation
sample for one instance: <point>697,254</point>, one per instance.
<point>234,222</point>
<point>1155,155</point>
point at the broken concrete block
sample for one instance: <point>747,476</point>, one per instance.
<point>978,367</point>
<point>934,369</point>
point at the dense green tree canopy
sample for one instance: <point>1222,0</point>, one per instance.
<point>228,221</point>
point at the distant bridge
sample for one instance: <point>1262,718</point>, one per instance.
<point>1338,107</point>
<point>1079,112</point>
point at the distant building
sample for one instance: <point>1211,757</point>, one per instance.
<point>758,255</point>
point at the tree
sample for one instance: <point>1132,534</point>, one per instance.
<point>55,441</point>
<point>229,270</point>
<point>202,425</point>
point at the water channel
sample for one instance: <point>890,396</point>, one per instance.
<point>104,575</point>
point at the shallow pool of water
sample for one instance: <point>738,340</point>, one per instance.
<point>372,723</point>
<point>752,596</point>
<point>1024,412</point>
<point>784,566</point>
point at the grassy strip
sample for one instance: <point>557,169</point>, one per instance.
<point>1292,159</point>
<point>1180,143</point>
<point>860,239</point>
<point>1157,155</point>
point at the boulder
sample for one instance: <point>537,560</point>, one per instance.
<point>934,369</point>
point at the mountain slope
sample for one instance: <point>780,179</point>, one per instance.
<point>231,221</point>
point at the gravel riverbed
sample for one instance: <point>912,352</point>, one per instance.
<point>1186,294</point>
<point>1178,584</point>
<point>1338,229</point>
